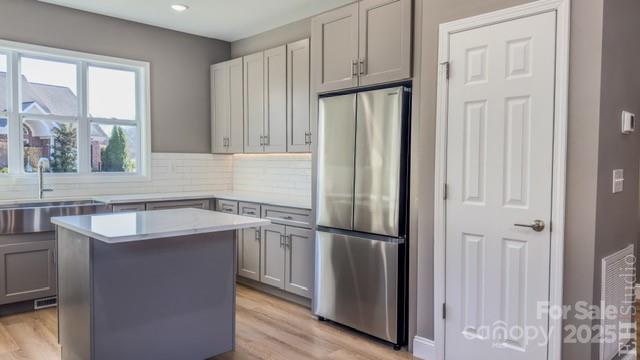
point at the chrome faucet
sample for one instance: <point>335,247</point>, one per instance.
<point>43,165</point>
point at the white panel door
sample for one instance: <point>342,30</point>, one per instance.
<point>236,107</point>
<point>334,45</point>
<point>219,107</point>
<point>253,102</point>
<point>499,174</point>
<point>385,41</point>
<point>275,99</point>
<point>298,97</point>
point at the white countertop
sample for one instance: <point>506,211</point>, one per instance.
<point>132,198</point>
<point>255,197</point>
<point>148,225</point>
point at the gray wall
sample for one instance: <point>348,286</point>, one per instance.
<point>279,36</point>
<point>180,120</point>
<point>617,214</point>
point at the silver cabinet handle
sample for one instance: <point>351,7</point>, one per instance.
<point>363,68</point>
<point>266,140</point>
<point>288,243</point>
<point>354,68</point>
<point>289,217</point>
<point>257,234</point>
<point>282,240</point>
<point>307,138</point>
<point>250,213</point>
<point>261,140</point>
<point>538,225</point>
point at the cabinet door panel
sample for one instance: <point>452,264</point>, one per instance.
<point>219,106</point>
<point>272,255</point>
<point>275,121</point>
<point>28,271</point>
<point>299,262</point>
<point>249,253</point>
<point>385,41</point>
<point>335,48</point>
<point>253,102</point>
<point>298,97</point>
<point>236,107</point>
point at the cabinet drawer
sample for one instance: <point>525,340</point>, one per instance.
<point>197,204</point>
<point>227,206</point>
<point>129,207</point>
<point>287,216</point>
<point>249,209</point>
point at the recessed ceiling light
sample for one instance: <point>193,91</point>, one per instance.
<point>179,7</point>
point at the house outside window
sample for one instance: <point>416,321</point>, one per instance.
<point>87,114</point>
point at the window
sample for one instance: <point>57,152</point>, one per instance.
<point>86,114</point>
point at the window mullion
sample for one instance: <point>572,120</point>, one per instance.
<point>84,132</point>
<point>15,127</point>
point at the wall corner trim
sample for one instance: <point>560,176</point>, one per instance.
<point>424,348</point>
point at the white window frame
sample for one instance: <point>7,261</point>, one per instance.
<point>3,114</point>
<point>14,51</point>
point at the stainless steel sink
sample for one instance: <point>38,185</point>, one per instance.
<point>33,217</point>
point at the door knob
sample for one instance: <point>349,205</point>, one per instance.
<point>537,225</point>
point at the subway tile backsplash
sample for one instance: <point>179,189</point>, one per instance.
<point>279,174</point>
<point>282,174</point>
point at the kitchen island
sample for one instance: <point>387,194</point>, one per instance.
<point>147,285</point>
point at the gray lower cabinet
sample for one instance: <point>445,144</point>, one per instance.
<point>299,258</point>
<point>198,204</point>
<point>272,255</point>
<point>28,271</point>
<point>287,258</point>
<point>129,207</point>
<point>249,245</point>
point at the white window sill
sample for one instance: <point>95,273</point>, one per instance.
<point>99,178</point>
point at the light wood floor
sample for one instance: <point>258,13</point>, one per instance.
<point>267,328</point>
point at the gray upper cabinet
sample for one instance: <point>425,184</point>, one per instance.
<point>275,100</point>
<point>273,255</point>
<point>377,51</point>
<point>334,37</point>
<point>299,258</point>
<point>254,102</point>
<point>29,271</point>
<point>227,107</point>
<point>235,143</point>
<point>298,97</point>
<point>385,41</point>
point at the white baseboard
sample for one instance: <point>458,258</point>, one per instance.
<point>423,348</point>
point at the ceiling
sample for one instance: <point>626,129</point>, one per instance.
<point>228,20</point>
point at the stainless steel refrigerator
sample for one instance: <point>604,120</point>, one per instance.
<point>362,211</point>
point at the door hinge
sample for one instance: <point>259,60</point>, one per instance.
<point>446,68</point>
<point>445,192</point>
<point>444,310</point>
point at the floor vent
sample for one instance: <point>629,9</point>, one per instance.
<point>618,279</point>
<point>45,303</point>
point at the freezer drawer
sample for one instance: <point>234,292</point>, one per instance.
<point>357,283</point>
